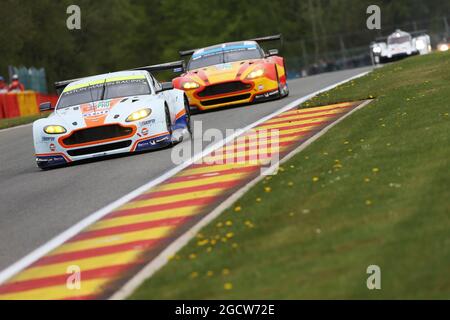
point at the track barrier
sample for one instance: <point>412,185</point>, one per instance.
<point>19,104</point>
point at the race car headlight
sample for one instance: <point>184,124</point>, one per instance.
<point>55,129</point>
<point>443,47</point>
<point>420,44</point>
<point>376,50</point>
<point>255,74</point>
<point>138,115</point>
<point>190,85</point>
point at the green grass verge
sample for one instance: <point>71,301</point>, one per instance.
<point>382,197</point>
<point>13,122</point>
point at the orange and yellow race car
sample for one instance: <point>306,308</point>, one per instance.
<point>233,73</point>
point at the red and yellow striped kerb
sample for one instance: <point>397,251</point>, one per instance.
<point>113,249</point>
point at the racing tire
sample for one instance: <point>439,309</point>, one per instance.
<point>188,115</point>
<point>282,93</point>
<point>168,121</point>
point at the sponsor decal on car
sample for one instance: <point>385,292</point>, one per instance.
<point>147,122</point>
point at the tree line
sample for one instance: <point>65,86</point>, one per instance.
<point>119,34</point>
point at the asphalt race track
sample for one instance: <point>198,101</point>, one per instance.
<point>38,205</point>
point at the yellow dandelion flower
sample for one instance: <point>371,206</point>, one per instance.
<point>219,225</point>
<point>375,170</point>
<point>237,209</point>
<point>210,273</point>
<point>368,202</point>
<point>225,272</point>
<point>315,179</point>
<point>192,256</point>
<point>230,235</point>
<point>267,189</point>
<point>258,199</point>
<point>229,223</point>
<point>366,179</point>
<point>249,224</point>
<point>234,245</point>
<point>213,242</point>
<point>224,239</point>
<point>346,142</point>
<point>201,243</point>
<point>209,249</point>
<point>291,214</point>
<point>194,275</point>
<point>290,183</point>
<point>228,286</point>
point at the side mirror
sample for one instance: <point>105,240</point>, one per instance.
<point>272,52</point>
<point>166,86</point>
<point>45,106</point>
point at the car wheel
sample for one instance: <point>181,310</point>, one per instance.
<point>188,115</point>
<point>168,121</point>
<point>284,92</point>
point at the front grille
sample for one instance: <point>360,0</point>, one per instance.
<point>226,99</point>
<point>222,88</point>
<point>97,133</point>
<point>101,148</point>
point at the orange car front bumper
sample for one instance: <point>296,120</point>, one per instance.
<point>232,93</point>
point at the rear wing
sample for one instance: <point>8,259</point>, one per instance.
<point>413,34</point>
<point>176,67</point>
<point>268,38</point>
<point>276,37</point>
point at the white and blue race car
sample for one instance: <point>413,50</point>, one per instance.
<point>120,112</point>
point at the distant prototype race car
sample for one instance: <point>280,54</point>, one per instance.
<point>400,44</point>
<point>233,73</point>
<point>120,112</point>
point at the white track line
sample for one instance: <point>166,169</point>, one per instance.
<point>159,261</point>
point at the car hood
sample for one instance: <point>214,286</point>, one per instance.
<point>223,72</point>
<point>101,112</point>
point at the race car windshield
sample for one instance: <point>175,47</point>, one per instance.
<point>104,91</point>
<point>398,40</point>
<point>224,56</point>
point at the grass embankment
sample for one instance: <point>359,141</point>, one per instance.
<point>373,190</point>
<point>13,122</point>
